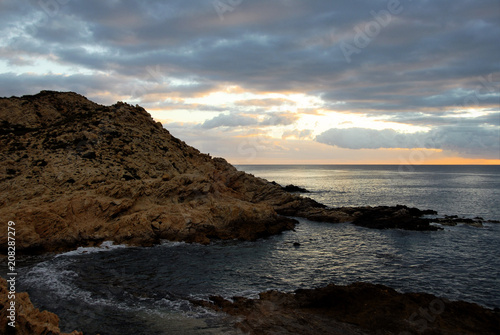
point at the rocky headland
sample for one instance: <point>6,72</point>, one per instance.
<point>75,173</point>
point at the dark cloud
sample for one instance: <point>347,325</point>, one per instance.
<point>472,141</point>
<point>447,119</point>
<point>223,120</point>
<point>240,120</point>
<point>414,65</point>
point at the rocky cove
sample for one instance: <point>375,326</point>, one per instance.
<point>75,173</point>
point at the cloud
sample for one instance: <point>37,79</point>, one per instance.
<point>231,120</point>
<point>472,141</point>
<point>447,119</point>
<point>239,120</point>
<point>273,46</point>
<point>279,119</point>
<point>434,59</point>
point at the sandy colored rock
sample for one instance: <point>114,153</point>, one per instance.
<point>76,173</point>
<point>29,320</point>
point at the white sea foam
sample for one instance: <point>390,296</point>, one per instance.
<point>105,246</point>
<point>171,244</point>
<point>54,278</point>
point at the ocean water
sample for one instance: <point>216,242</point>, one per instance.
<point>450,189</point>
<point>129,290</point>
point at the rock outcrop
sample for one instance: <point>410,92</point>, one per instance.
<point>359,308</point>
<point>76,173</point>
<point>292,188</point>
<point>28,319</point>
<point>402,217</point>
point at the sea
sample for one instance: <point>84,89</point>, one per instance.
<point>116,289</point>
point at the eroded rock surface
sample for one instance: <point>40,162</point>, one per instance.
<point>73,173</point>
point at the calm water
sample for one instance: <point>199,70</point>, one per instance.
<point>451,190</point>
<point>120,290</point>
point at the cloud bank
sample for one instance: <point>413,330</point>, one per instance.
<point>471,139</point>
<point>412,63</point>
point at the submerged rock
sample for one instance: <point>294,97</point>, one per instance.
<point>453,220</point>
<point>359,308</point>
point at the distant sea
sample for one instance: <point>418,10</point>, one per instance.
<point>465,190</point>
<point>130,290</point>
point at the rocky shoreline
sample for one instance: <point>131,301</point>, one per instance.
<point>359,308</point>
<point>75,173</point>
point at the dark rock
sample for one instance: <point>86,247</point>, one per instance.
<point>295,189</point>
<point>359,308</point>
<point>453,220</point>
<point>40,162</point>
<point>400,217</point>
<point>89,155</point>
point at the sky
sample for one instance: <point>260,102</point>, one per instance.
<point>277,81</point>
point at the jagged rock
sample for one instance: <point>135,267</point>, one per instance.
<point>28,319</point>
<point>402,217</point>
<point>359,308</point>
<point>292,188</point>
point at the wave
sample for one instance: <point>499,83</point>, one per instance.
<point>105,246</point>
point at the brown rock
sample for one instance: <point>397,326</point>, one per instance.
<point>77,173</point>
<point>359,308</point>
<point>28,319</point>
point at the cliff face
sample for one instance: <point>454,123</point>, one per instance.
<point>73,173</point>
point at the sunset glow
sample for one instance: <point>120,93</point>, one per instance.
<point>255,84</point>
